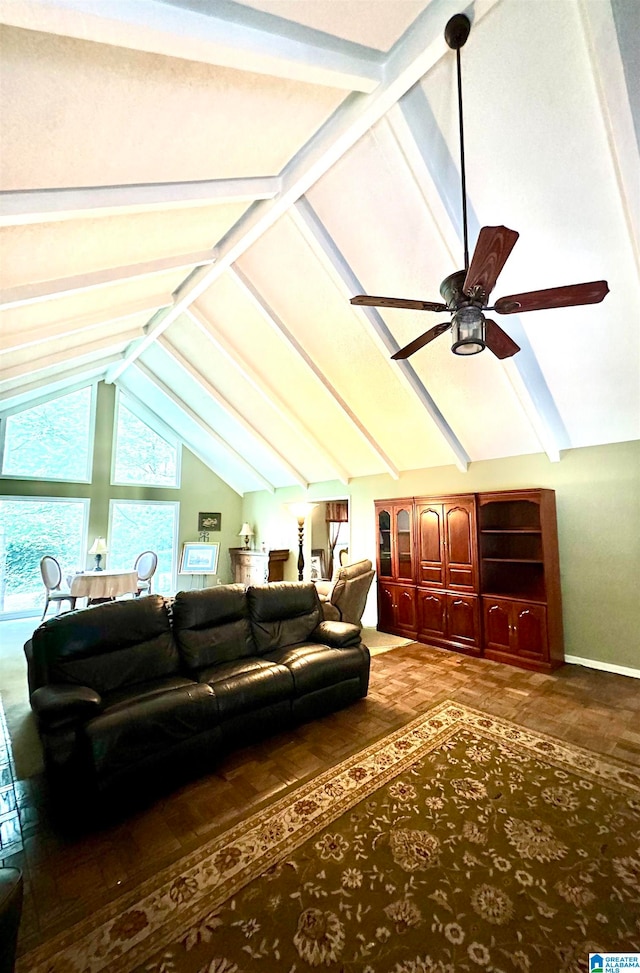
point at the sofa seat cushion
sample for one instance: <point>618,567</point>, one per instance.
<point>141,730</point>
<point>247,684</point>
<point>122,698</point>
<point>315,666</point>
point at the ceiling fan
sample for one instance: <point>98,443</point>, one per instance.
<point>466,292</point>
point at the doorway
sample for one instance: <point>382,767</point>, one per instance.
<point>330,534</point>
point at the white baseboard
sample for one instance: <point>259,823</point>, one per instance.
<point>605,666</point>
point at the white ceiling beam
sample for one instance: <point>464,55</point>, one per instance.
<point>11,396</point>
<point>104,347</point>
<point>420,48</point>
<point>65,286</point>
<point>280,328</point>
<point>205,429</point>
<point>258,42</point>
<point>265,390</point>
<point>47,205</point>
<point>231,410</point>
<point>308,222</point>
<point>418,137</point>
<point>608,71</point>
<point>81,325</point>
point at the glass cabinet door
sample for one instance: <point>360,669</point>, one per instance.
<point>403,533</point>
<point>385,568</point>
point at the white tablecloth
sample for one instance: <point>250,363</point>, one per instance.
<point>103,584</point>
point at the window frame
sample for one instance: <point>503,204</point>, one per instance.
<point>6,414</point>
<point>161,429</point>
<point>86,505</point>
<point>126,501</point>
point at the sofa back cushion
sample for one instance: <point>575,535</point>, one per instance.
<point>212,625</point>
<point>107,647</point>
<point>282,614</point>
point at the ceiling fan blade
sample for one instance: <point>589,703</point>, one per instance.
<point>498,341</point>
<point>569,296</point>
<point>397,302</point>
<point>420,342</point>
<point>494,245</point>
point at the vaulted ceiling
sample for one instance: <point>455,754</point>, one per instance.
<point>192,190</point>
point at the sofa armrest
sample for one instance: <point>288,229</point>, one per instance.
<point>337,635</point>
<point>55,705</point>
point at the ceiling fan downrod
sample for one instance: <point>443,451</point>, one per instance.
<point>455,34</point>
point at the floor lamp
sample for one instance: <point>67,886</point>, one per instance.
<point>301,511</point>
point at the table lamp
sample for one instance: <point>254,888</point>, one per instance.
<point>246,532</point>
<point>99,547</point>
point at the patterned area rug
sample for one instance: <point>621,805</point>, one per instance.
<point>461,842</point>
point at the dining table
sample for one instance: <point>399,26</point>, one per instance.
<point>103,585</point>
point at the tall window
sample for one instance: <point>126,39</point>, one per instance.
<point>144,455</point>
<point>137,526</point>
<point>29,529</point>
<point>51,440</point>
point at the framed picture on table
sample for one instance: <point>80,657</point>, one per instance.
<point>199,558</point>
<point>317,565</point>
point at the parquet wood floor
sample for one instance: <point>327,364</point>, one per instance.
<point>68,877</point>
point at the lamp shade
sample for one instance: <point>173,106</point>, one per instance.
<point>99,546</point>
<point>245,531</point>
<point>302,509</point>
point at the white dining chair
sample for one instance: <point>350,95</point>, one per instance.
<point>52,577</point>
<point>146,564</point>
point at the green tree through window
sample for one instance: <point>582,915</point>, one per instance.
<point>29,529</point>
<point>142,456</point>
<point>137,526</point>
<point>50,441</point>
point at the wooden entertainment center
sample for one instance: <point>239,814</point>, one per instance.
<point>478,573</point>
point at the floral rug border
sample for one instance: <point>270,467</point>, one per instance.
<point>127,931</point>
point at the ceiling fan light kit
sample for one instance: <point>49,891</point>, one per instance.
<point>468,331</point>
<point>466,292</point>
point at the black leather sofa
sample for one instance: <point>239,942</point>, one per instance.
<point>130,691</point>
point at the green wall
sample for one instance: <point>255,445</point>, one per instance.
<point>201,490</point>
<point>598,501</point>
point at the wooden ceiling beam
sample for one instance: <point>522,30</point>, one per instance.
<point>192,442</point>
<point>419,141</point>
<point>65,286</point>
<point>206,386</point>
<point>419,49</point>
<point>308,222</point>
<point>26,337</point>
<point>280,328</point>
<point>266,391</point>
<point>48,205</point>
<point>255,41</point>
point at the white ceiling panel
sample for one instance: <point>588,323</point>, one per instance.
<point>121,111</point>
<point>191,193</point>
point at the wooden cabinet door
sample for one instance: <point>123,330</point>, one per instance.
<point>386,611</point>
<point>497,624</point>
<point>463,620</point>
<point>430,544</point>
<point>405,610</point>
<point>432,613</point>
<point>460,545</point>
<point>530,631</point>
